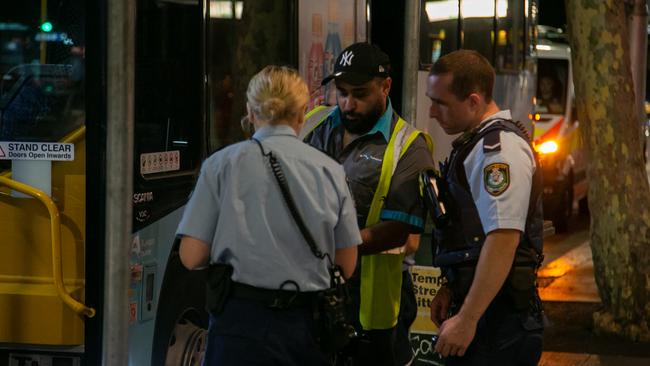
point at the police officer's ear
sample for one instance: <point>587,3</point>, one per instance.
<point>476,101</point>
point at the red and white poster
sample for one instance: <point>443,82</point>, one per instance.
<point>325,29</point>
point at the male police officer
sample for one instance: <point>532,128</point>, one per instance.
<point>489,312</point>
<point>382,156</point>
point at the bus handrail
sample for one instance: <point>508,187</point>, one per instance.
<point>70,138</point>
<point>74,136</point>
<point>55,224</point>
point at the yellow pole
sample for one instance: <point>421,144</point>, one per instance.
<point>43,19</point>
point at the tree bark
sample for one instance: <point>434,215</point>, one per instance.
<point>619,195</point>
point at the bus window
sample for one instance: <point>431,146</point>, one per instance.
<point>532,35</point>
<point>167,89</point>
<point>510,35</point>
<point>36,106</point>
<point>551,85</point>
<point>477,24</point>
<point>438,29</point>
<point>242,38</point>
<point>168,114</point>
<point>42,72</point>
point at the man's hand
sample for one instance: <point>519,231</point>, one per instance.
<point>455,335</point>
<point>383,236</point>
<point>440,306</point>
<point>494,263</point>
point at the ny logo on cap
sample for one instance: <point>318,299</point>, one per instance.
<point>346,58</point>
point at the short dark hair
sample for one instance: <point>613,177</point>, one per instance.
<point>471,73</point>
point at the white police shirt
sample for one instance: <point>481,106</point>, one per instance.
<point>500,181</point>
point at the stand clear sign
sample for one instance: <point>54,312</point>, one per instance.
<point>53,151</point>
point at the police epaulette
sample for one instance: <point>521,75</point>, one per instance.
<point>522,128</point>
<point>492,142</point>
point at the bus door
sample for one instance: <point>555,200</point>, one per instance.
<point>42,182</point>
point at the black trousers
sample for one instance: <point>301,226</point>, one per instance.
<point>250,333</point>
<point>383,347</point>
<point>408,311</point>
<point>505,337</point>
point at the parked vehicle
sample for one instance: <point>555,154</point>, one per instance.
<point>555,134</point>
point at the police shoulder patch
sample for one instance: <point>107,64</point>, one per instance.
<point>496,178</point>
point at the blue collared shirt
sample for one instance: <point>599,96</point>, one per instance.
<point>237,208</point>
<point>362,160</point>
<point>383,125</point>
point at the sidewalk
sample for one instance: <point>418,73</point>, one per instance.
<point>585,359</point>
<point>568,290</point>
<point>570,277</point>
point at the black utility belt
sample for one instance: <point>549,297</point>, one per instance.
<point>519,287</point>
<point>280,299</point>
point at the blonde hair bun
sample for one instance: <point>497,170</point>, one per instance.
<point>273,107</point>
<point>276,93</point>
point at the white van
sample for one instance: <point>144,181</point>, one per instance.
<point>555,130</point>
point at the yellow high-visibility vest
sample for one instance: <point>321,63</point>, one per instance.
<point>381,274</point>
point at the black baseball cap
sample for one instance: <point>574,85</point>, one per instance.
<point>359,63</point>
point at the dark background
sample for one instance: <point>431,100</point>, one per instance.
<point>553,13</point>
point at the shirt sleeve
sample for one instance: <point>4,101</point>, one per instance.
<point>500,182</point>
<point>346,231</point>
<point>404,201</point>
<point>202,211</point>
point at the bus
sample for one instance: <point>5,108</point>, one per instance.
<point>107,110</point>
<point>504,31</point>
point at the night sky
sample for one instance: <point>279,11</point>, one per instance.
<point>552,12</point>
<point>23,11</point>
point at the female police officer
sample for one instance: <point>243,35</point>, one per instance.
<point>237,216</point>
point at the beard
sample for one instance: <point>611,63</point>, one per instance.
<point>359,124</point>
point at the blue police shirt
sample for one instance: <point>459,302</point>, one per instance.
<point>237,207</point>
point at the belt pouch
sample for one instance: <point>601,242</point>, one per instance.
<point>520,286</point>
<point>333,309</point>
<point>218,287</point>
<point>460,280</point>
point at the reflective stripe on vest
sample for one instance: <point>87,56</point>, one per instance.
<point>381,274</point>
<point>315,118</point>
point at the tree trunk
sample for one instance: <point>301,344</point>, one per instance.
<point>619,195</point>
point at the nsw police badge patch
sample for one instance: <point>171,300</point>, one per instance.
<point>496,178</point>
